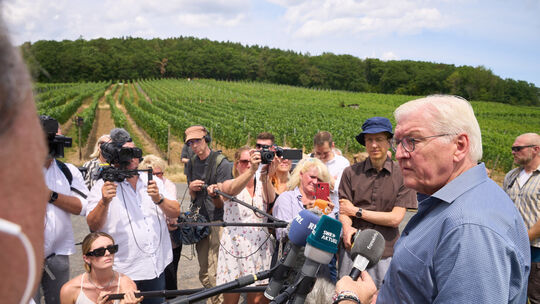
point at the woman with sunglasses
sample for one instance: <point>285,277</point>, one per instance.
<point>245,250</point>
<point>100,279</point>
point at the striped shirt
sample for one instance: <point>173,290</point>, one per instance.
<point>526,197</point>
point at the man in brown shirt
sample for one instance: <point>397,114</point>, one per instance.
<point>372,195</point>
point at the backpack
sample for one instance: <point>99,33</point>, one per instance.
<point>63,167</point>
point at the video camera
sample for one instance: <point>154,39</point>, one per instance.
<point>269,152</point>
<point>112,174</point>
<point>56,142</point>
<point>118,155</point>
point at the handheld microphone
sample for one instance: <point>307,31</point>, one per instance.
<point>366,251</point>
<point>321,246</point>
<point>300,228</point>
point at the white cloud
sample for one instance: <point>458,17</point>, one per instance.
<point>389,56</point>
<point>314,18</point>
<point>64,19</point>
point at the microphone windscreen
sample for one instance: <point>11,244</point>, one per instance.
<point>120,136</point>
<point>302,226</point>
<point>368,243</point>
<point>326,235</point>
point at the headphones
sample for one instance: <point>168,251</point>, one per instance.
<point>206,137</point>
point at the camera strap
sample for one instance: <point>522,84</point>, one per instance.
<point>63,167</point>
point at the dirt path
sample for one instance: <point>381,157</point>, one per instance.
<point>103,124</point>
<point>148,144</point>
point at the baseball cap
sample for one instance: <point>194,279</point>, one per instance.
<point>195,132</point>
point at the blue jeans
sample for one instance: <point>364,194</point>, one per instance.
<point>152,285</point>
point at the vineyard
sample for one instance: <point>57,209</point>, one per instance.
<point>235,112</point>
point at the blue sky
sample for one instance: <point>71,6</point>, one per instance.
<point>503,36</point>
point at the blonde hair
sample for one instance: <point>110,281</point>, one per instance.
<point>87,244</point>
<point>237,156</point>
<point>305,165</point>
<point>97,148</point>
<point>153,161</point>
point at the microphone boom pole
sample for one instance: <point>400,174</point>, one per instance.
<point>234,199</point>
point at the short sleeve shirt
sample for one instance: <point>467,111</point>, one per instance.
<point>377,191</point>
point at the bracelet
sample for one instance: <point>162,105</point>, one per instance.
<point>345,295</point>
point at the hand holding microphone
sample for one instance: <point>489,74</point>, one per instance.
<point>366,251</point>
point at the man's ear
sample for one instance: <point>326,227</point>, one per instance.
<point>462,147</point>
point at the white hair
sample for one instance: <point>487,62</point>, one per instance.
<point>448,115</point>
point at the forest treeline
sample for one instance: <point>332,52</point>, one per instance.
<point>130,58</point>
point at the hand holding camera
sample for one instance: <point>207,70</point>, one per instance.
<point>108,192</point>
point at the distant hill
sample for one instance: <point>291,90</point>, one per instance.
<point>130,58</point>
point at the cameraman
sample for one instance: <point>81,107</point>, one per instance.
<point>67,195</point>
<point>133,211</point>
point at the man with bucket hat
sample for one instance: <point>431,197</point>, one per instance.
<point>372,195</point>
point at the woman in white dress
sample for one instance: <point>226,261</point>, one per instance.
<point>245,250</point>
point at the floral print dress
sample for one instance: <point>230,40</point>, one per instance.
<point>244,250</point>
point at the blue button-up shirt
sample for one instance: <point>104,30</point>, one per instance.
<point>466,244</point>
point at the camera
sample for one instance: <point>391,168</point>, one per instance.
<point>118,155</point>
<point>56,142</point>
<point>269,152</point>
<point>112,174</point>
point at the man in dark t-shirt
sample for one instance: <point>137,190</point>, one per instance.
<point>207,167</point>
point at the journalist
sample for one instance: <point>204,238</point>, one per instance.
<point>133,211</point>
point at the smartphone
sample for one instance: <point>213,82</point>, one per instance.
<point>323,191</point>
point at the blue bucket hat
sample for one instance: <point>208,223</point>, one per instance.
<point>374,125</point>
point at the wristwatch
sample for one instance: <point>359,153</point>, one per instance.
<point>54,197</point>
<point>359,213</point>
<point>161,198</point>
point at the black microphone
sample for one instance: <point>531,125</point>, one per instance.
<point>366,251</point>
<point>321,246</point>
<point>300,228</point>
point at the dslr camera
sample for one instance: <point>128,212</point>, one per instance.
<point>56,142</point>
<point>269,152</point>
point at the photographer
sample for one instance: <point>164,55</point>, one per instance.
<point>67,195</point>
<point>133,210</point>
<point>206,167</point>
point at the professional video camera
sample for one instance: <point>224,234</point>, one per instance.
<point>115,154</point>
<point>269,152</point>
<point>56,142</point>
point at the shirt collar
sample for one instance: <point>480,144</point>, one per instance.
<point>463,183</point>
<point>387,165</point>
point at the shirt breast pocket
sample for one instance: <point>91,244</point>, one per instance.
<point>413,276</point>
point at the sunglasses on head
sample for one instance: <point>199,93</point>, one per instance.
<point>99,252</point>
<point>519,148</point>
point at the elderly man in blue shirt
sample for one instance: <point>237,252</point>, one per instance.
<point>467,243</point>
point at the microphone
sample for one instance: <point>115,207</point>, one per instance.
<point>366,251</point>
<point>120,136</point>
<point>321,246</point>
<point>300,228</point>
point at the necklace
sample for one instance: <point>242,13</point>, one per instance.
<point>102,287</point>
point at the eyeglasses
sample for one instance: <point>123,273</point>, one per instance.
<point>408,142</point>
<point>519,148</point>
<point>261,146</point>
<point>158,174</point>
<point>99,252</point>
<point>243,161</point>
<point>192,141</point>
